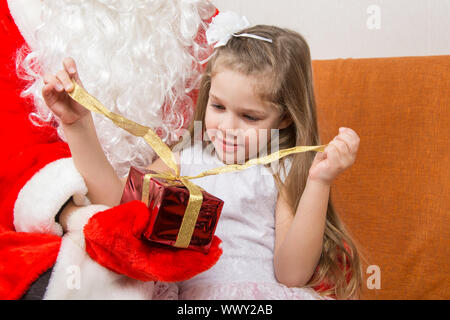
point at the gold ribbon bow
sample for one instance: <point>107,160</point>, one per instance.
<point>163,151</point>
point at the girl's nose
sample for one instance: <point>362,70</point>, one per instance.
<point>232,136</point>
<point>229,126</point>
<point>229,131</point>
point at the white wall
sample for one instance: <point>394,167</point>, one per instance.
<point>348,28</point>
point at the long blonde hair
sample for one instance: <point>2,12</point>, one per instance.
<point>286,65</point>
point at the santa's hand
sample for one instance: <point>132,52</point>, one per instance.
<point>339,155</point>
<point>55,93</point>
<point>113,239</point>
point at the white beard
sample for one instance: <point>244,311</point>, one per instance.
<point>140,58</point>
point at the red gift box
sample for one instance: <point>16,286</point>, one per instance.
<point>166,206</point>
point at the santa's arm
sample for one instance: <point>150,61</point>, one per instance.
<point>37,171</point>
<point>43,195</point>
<point>38,174</point>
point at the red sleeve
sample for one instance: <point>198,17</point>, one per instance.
<point>25,149</point>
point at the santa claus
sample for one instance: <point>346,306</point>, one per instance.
<point>143,60</point>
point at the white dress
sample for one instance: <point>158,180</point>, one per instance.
<point>247,229</point>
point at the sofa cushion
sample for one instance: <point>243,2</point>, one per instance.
<point>395,199</point>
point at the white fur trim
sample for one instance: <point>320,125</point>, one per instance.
<point>44,194</point>
<point>76,276</point>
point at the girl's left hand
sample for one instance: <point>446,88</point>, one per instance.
<point>337,156</point>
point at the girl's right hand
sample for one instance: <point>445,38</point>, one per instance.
<point>55,94</point>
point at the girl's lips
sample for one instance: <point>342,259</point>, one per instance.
<point>228,147</point>
<point>227,143</point>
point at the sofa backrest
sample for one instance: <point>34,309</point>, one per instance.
<point>395,199</point>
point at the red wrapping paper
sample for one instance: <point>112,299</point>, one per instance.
<point>166,207</point>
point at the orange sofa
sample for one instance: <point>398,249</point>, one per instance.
<point>395,199</point>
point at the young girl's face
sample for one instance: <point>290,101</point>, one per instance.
<point>237,121</point>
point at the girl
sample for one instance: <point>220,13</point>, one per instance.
<point>281,235</point>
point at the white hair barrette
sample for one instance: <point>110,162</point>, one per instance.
<point>225,25</point>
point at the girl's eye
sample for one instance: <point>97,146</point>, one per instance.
<point>250,118</point>
<point>218,107</point>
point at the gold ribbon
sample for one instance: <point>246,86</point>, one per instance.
<point>163,151</point>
